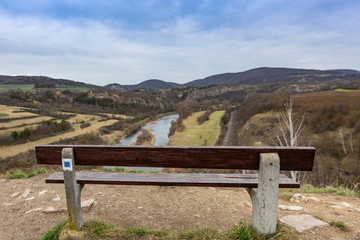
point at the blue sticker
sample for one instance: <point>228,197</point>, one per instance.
<point>67,164</point>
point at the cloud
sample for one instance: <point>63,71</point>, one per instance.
<point>187,47</point>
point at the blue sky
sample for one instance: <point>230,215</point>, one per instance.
<point>129,41</point>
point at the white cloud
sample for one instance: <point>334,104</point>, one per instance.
<point>181,51</point>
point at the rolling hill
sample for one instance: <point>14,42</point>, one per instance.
<point>152,83</point>
<point>266,75</point>
<point>256,76</point>
<point>22,80</point>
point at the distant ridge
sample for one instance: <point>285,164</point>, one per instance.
<point>152,84</point>
<point>267,75</point>
<point>256,76</point>
<point>20,80</point>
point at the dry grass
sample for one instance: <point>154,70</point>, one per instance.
<point>9,151</point>
<point>316,100</point>
<point>21,122</point>
<point>13,112</point>
<point>117,115</point>
<point>198,135</point>
<point>18,129</point>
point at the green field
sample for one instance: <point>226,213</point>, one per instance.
<point>198,135</point>
<point>4,114</point>
<point>346,90</point>
<point>25,87</point>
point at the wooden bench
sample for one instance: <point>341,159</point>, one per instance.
<point>268,160</point>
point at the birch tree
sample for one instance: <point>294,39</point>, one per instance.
<point>290,128</point>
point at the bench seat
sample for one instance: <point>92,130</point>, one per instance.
<point>171,179</point>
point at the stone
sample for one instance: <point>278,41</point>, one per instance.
<point>33,210</point>
<point>315,199</point>
<point>15,194</point>
<point>43,192</point>
<point>57,198</point>
<point>8,204</point>
<point>298,197</point>
<point>53,210</point>
<point>49,210</point>
<point>291,208</point>
<point>29,199</point>
<point>25,194</point>
<point>86,205</point>
<point>345,204</point>
<point>302,222</point>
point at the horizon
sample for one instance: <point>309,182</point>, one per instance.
<point>174,41</point>
<point>177,82</point>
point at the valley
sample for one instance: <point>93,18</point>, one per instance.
<point>325,113</point>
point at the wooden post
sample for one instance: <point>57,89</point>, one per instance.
<point>72,190</point>
<point>264,201</point>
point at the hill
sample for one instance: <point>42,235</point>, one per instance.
<point>266,75</point>
<point>152,84</point>
<point>22,80</point>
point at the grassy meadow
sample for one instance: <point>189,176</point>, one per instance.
<point>198,135</point>
<point>24,87</point>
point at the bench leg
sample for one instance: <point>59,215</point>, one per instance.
<point>264,201</point>
<point>73,192</point>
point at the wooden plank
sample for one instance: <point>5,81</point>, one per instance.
<point>291,158</point>
<point>171,179</point>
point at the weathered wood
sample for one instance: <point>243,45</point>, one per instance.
<point>73,192</point>
<point>171,179</point>
<point>291,158</point>
<point>264,201</point>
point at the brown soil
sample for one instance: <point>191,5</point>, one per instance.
<point>171,208</point>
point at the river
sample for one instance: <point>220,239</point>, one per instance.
<point>160,129</point>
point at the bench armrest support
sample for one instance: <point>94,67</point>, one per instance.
<point>73,193</point>
<point>264,200</point>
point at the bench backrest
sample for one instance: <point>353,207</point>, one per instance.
<point>291,158</point>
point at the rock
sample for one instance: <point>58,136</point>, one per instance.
<point>49,210</point>
<point>197,216</point>
<point>211,188</point>
<point>87,204</point>
<point>43,192</point>
<point>140,208</point>
<point>345,204</point>
<point>33,210</point>
<point>52,210</point>
<point>302,222</point>
<point>298,197</point>
<point>25,194</point>
<point>57,198</point>
<point>315,199</point>
<point>29,199</point>
<point>8,204</point>
<point>15,194</point>
<point>290,208</point>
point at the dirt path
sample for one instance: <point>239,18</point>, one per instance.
<point>24,204</point>
<point>9,151</point>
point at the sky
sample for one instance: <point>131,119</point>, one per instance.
<point>129,41</point>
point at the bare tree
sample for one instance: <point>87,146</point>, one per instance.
<point>340,131</point>
<point>290,128</point>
